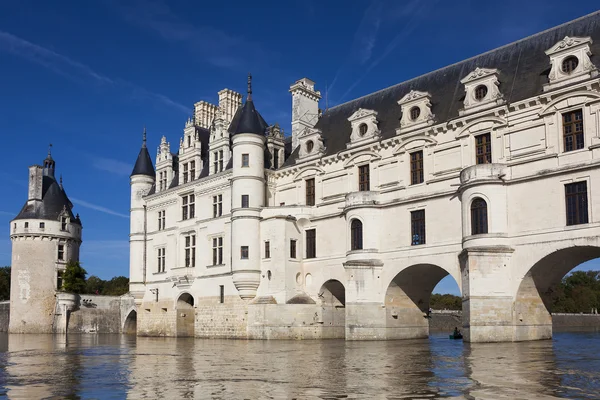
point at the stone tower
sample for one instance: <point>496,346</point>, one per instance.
<point>45,236</point>
<point>305,107</point>
<point>141,181</point>
<point>248,130</point>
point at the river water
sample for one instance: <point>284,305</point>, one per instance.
<point>120,366</point>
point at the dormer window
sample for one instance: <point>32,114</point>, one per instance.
<point>480,92</point>
<point>416,111</point>
<point>569,64</point>
<point>364,127</point>
<point>310,145</point>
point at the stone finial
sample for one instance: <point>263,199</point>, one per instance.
<point>249,98</point>
<point>144,137</point>
<point>50,151</point>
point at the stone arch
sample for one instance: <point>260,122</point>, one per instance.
<point>480,125</point>
<point>332,299</point>
<point>533,297</point>
<point>318,171</point>
<point>401,148</point>
<point>407,298</point>
<point>367,154</point>
<point>130,324</point>
<point>185,318</point>
<point>582,96</point>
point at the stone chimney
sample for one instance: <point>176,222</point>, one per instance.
<point>305,107</point>
<point>229,102</point>
<point>35,182</point>
<point>204,113</point>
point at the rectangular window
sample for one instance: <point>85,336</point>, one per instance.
<point>217,206</point>
<point>220,160</point>
<point>267,249</point>
<point>185,173</point>
<point>577,203</point>
<point>245,201</point>
<point>215,162</point>
<point>245,160</point>
<point>221,294</point>
<point>363,178</point>
<point>483,149</point>
<point>244,252</point>
<point>310,192</point>
<point>292,248</point>
<point>161,220</point>
<point>59,280</point>
<point>184,207</point>
<point>417,226</point>
<point>61,252</point>
<point>311,243</point>
<point>190,251</point>
<point>217,251</point>
<point>573,130</point>
<point>160,181</point>
<point>192,170</point>
<point>63,223</point>
<point>416,167</point>
<point>42,225</point>
<point>275,158</point>
<point>161,259</point>
<point>27,225</point>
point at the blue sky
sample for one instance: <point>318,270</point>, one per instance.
<point>86,76</point>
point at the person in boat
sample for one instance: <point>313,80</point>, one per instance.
<point>456,331</point>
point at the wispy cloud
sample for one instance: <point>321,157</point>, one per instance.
<point>216,47</point>
<point>110,165</point>
<point>8,213</point>
<point>76,71</point>
<point>414,11</point>
<point>96,207</point>
<point>6,177</point>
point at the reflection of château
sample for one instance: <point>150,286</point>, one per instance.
<point>482,170</point>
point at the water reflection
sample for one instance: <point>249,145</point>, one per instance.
<point>119,366</point>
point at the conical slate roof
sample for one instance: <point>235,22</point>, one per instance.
<point>143,164</point>
<point>54,202</point>
<point>246,118</point>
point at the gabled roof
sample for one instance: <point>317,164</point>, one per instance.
<point>523,66</point>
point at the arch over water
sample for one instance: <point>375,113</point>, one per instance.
<point>332,297</point>
<point>130,325</point>
<point>186,317</point>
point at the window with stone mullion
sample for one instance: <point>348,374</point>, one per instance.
<point>573,130</point>
<point>576,203</point>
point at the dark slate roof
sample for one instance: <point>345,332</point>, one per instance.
<point>143,164</point>
<point>248,120</point>
<point>523,66</point>
<point>54,201</point>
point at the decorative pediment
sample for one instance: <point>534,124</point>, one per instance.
<point>364,127</point>
<point>482,90</point>
<point>416,111</point>
<point>311,144</point>
<point>570,62</point>
<point>569,43</point>
<point>478,73</point>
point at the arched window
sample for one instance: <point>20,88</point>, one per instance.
<point>479,217</point>
<point>356,233</point>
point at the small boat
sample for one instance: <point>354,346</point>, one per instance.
<point>457,336</point>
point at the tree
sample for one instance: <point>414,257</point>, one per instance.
<point>4,283</point>
<point>94,285</point>
<point>578,292</point>
<point>445,302</point>
<point>117,286</point>
<point>74,278</point>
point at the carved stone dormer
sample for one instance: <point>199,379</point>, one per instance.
<point>364,127</point>
<point>416,111</point>
<point>570,62</point>
<point>164,165</point>
<point>311,144</point>
<point>275,146</point>
<point>220,152</point>
<point>482,91</point>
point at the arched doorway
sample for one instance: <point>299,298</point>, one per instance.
<point>407,301</point>
<point>130,325</point>
<point>332,297</point>
<point>537,291</point>
<point>185,315</point>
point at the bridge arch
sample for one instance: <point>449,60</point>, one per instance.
<point>186,316</point>
<point>332,298</point>
<point>407,298</point>
<point>534,293</point>
<point>130,324</point>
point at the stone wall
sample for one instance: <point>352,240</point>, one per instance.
<point>100,314</point>
<point>222,320</point>
<point>4,315</point>
<point>445,321</point>
<point>575,320</point>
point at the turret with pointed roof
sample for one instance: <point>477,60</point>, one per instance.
<point>143,164</point>
<point>247,119</point>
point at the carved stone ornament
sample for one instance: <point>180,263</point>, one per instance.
<point>311,144</point>
<point>416,111</point>
<point>364,126</point>
<point>488,80</point>
<point>577,48</point>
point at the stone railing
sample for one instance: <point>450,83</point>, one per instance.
<point>483,172</point>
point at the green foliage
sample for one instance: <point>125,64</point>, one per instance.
<point>74,278</point>
<point>578,292</point>
<point>117,286</point>
<point>445,302</point>
<point>4,283</point>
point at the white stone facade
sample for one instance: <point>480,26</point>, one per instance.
<point>290,260</point>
